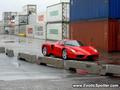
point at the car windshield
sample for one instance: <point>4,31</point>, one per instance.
<point>73,43</point>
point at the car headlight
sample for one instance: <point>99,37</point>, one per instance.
<point>73,51</point>
<point>93,49</point>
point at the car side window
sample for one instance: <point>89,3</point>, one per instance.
<point>61,42</point>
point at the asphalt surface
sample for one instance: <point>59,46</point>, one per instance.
<point>21,75</point>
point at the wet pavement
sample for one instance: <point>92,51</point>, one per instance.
<point>111,58</point>
<point>21,75</point>
<point>21,44</point>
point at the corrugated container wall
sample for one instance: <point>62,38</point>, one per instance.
<point>118,38</point>
<point>94,9</point>
<point>102,34</point>
<point>58,12</point>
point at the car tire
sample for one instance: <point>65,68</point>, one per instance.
<point>44,51</point>
<point>64,54</point>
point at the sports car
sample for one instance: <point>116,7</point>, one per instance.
<point>70,49</point>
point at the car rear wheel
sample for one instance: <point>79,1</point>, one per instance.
<point>44,51</point>
<point>64,54</point>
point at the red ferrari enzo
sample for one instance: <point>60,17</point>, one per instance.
<point>70,49</point>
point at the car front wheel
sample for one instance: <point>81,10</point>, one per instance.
<point>64,54</point>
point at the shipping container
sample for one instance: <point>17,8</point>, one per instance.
<point>57,31</point>
<point>22,29</point>
<point>94,9</point>
<point>32,19</point>
<point>40,31</point>
<point>41,18</point>
<point>30,30</point>
<point>30,9</point>
<point>58,12</point>
<point>23,19</point>
<point>102,34</point>
<point>9,15</point>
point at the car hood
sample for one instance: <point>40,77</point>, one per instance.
<point>85,50</point>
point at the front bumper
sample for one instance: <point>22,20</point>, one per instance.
<point>83,57</point>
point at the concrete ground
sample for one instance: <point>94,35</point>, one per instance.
<point>21,75</point>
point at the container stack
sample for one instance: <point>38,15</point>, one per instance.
<point>58,21</point>
<point>26,19</point>
<point>32,22</point>
<point>9,22</point>
<point>40,28</point>
<point>23,22</point>
<point>31,11</point>
<point>96,23</point>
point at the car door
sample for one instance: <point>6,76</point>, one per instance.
<point>58,48</point>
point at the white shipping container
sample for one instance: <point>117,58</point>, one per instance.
<point>32,19</point>
<point>58,12</point>
<point>40,31</point>
<point>30,9</point>
<point>57,31</point>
